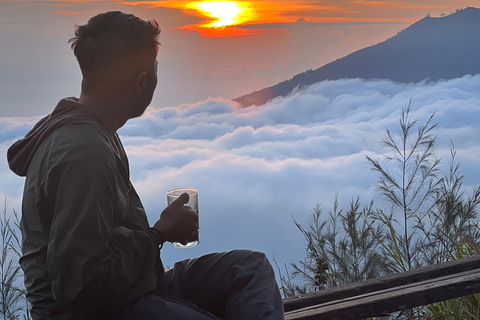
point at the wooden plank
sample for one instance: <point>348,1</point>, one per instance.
<point>389,300</point>
<point>372,285</point>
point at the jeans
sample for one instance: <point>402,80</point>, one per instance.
<point>234,285</point>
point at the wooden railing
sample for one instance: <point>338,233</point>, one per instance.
<point>385,295</point>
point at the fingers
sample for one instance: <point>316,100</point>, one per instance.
<point>181,221</point>
<point>193,237</point>
<point>182,200</point>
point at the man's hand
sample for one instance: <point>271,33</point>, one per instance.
<point>178,223</point>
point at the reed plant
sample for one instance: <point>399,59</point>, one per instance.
<point>421,216</point>
<point>13,304</point>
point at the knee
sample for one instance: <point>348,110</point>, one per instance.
<point>250,255</point>
<point>260,257</point>
<point>252,260</point>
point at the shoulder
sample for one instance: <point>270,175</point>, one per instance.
<point>83,135</point>
<point>72,158</point>
<point>85,144</point>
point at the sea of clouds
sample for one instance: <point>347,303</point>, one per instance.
<point>257,167</point>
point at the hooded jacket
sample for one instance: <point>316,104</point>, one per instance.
<point>87,250</point>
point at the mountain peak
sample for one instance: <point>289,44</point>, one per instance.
<point>444,47</point>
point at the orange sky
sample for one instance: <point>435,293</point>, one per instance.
<point>189,14</point>
<point>261,43</point>
<point>228,18</point>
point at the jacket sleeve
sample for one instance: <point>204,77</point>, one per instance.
<point>93,260</point>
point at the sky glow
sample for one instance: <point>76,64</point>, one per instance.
<point>224,13</point>
<point>234,16</point>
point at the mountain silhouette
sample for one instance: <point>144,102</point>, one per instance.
<point>431,49</point>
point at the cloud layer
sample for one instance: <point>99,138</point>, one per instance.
<point>257,167</point>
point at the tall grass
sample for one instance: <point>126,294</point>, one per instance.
<point>422,216</point>
<point>13,304</point>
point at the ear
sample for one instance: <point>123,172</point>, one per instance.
<point>140,82</point>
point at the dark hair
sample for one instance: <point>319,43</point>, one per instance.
<point>112,36</point>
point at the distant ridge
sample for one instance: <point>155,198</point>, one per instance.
<point>430,49</point>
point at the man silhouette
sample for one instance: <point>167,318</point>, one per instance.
<point>88,249</point>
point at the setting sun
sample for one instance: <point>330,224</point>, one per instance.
<point>224,13</point>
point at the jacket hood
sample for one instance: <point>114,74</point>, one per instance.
<point>68,111</point>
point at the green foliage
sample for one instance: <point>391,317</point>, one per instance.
<point>422,216</point>
<point>340,250</point>
<point>453,219</point>
<point>467,307</point>
<point>12,295</point>
<point>408,188</point>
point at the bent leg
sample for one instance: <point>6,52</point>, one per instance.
<point>234,285</point>
<point>152,307</point>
